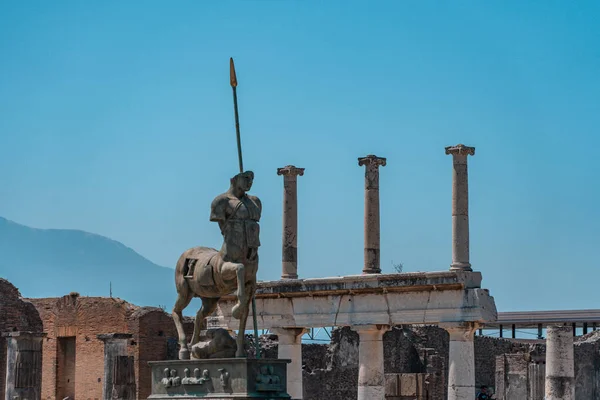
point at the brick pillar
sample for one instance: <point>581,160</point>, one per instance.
<point>461,360</point>
<point>290,221</point>
<point>560,367</point>
<point>290,347</point>
<point>372,233</point>
<point>24,365</point>
<point>460,207</point>
<point>371,376</point>
<point>119,378</point>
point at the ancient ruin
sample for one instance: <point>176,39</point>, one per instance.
<point>401,336</point>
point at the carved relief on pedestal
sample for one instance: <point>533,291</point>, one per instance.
<point>170,378</point>
<point>267,380</point>
<point>224,379</point>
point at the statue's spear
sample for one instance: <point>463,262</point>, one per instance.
<point>233,81</point>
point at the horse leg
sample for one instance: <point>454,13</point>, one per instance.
<point>245,310</point>
<point>208,306</point>
<point>183,300</point>
<point>239,270</point>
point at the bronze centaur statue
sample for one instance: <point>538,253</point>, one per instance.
<point>210,274</point>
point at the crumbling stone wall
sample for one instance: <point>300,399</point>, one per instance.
<point>154,338</point>
<point>16,314</point>
<point>587,366</point>
<point>81,318</point>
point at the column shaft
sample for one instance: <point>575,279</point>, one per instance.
<point>460,207</point>
<point>290,347</point>
<point>461,359</point>
<point>24,365</point>
<point>371,376</point>
<point>119,381</point>
<point>372,263</point>
<point>290,221</point>
<point>560,368</point>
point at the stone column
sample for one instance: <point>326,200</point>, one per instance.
<point>372,234</point>
<point>460,207</point>
<point>119,379</point>
<point>290,347</point>
<point>24,365</point>
<point>371,377</point>
<point>560,368</point>
<point>290,221</point>
<point>461,360</point>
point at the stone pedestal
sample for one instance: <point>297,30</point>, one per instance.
<point>24,365</point>
<point>560,368</point>
<point>290,221</point>
<point>371,376</point>
<point>290,347</point>
<point>461,360</point>
<point>460,206</point>
<point>372,233</point>
<point>220,379</point>
<point>119,375</point>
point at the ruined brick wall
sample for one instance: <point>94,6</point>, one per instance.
<point>81,318</point>
<point>16,314</point>
<point>587,366</point>
<point>155,339</point>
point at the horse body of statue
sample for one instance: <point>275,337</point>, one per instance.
<point>210,274</point>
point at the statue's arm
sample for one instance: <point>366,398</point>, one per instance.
<point>218,211</point>
<point>258,203</point>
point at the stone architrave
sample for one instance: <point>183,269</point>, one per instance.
<point>460,206</point>
<point>119,380</point>
<point>560,367</point>
<point>371,376</point>
<point>24,365</point>
<point>290,347</point>
<point>372,232</point>
<point>461,360</point>
<point>290,221</point>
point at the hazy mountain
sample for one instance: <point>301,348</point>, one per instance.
<point>55,262</point>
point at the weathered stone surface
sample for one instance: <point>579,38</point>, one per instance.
<point>560,367</point>
<point>290,221</point>
<point>23,365</point>
<point>372,226</point>
<point>371,375</point>
<point>460,206</point>
<point>16,314</point>
<point>119,372</point>
<point>214,343</point>
<point>220,379</point>
<point>412,298</point>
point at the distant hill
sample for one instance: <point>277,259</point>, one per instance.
<point>55,262</point>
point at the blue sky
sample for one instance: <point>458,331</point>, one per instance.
<point>116,118</point>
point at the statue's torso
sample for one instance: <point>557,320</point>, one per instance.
<point>238,218</point>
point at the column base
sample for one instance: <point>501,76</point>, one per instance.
<point>371,271</point>
<point>461,266</point>
<point>289,276</point>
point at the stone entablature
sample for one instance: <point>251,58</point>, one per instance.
<point>387,299</point>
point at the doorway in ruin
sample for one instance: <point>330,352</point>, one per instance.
<point>65,368</point>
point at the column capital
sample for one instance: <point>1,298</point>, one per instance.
<point>366,330</point>
<point>460,150</point>
<point>460,331</point>
<point>372,160</point>
<point>289,335</point>
<point>290,170</point>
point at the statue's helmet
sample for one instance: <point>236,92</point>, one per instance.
<point>246,174</point>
